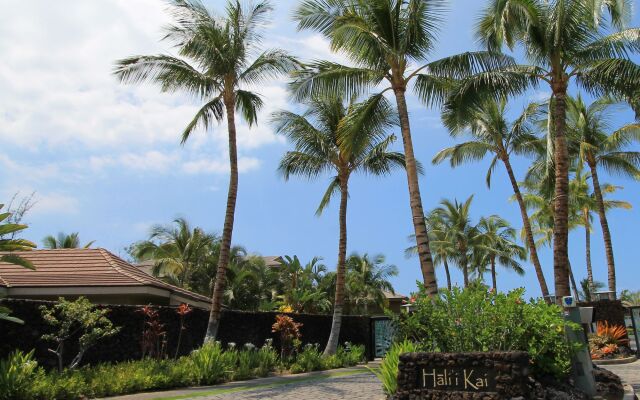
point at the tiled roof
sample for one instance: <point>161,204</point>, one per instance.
<point>80,268</point>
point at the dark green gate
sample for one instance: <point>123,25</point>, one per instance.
<point>383,331</point>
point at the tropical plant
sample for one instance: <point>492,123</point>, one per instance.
<point>607,339</point>
<point>367,281</point>
<point>9,244</point>
<point>16,375</point>
<point>629,298</point>
<point>584,202</point>
<point>457,230</point>
<point>219,66</point>
<point>496,245</point>
<point>320,139</point>
<point>78,320</point>
<point>387,373</point>
<point>289,332</point>
<point>491,133</point>
<point>64,241</point>
<point>589,289</point>
<point>176,250</point>
<point>183,310</point>
<point>388,41</point>
<point>565,42</point>
<point>589,127</point>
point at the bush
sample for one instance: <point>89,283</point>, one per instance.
<point>309,359</point>
<point>475,319</point>
<point>387,373</point>
<point>16,374</point>
<point>210,365</point>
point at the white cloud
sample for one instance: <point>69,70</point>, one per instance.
<point>55,203</point>
<point>204,166</point>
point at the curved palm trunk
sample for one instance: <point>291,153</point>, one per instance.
<point>493,274</point>
<point>576,294</point>
<point>561,203</point>
<point>446,270</point>
<point>336,322</point>
<point>465,266</point>
<point>587,241</point>
<point>415,200</point>
<point>531,244</point>
<point>225,245</point>
<point>606,234</point>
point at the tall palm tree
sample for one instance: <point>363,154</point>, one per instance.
<point>64,241</point>
<point>176,250</point>
<point>497,244</point>
<point>565,42</point>
<point>491,133</point>
<point>589,127</point>
<point>388,41</point>
<point>589,289</point>
<point>215,65</point>
<point>319,137</point>
<point>584,202</point>
<point>368,280</point>
<point>456,228</point>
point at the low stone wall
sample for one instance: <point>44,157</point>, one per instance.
<point>462,376</point>
<point>235,326</point>
<point>611,311</point>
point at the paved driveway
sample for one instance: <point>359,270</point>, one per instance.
<point>629,373</point>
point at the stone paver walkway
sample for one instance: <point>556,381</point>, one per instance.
<point>351,383</point>
<point>629,373</point>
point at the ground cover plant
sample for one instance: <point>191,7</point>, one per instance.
<point>21,378</point>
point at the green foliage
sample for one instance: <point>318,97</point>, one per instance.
<point>16,375</point>
<point>475,319</point>
<point>387,373</point>
<point>210,366</point>
<point>309,359</point>
<point>312,359</point>
<point>73,318</point>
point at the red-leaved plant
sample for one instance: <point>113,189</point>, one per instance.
<point>289,331</point>
<point>182,311</point>
<point>153,342</point>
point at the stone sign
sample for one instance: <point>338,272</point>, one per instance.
<point>452,376</point>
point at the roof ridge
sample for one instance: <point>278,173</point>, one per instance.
<point>108,258</point>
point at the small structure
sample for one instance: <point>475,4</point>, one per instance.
<point>96,274</point>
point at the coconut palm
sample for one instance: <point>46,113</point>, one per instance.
<point>589,289</point>
<point>176,250</point>
<point>388,41</point>
<point>589,128</point>
<point>629,298</point>
<point>497,245</point>
<point>584,203</point>
<point>565,42</point>
<point>492,134</point>
<point>367,281</point>
<point>319,136</point>
<point>64,241</point>
<point>456,229</point>
<point>215,65</point>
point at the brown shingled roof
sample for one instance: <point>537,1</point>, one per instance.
<point>80,268</point>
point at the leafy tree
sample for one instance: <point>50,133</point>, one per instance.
<point>565,42</point>
<point>367,281</point>
<point>320,137</point>
<point>497,244</point>
<point>72,319</point>
<point>215,65</point>
<point>456,229</point>
<point>388,41</point>
<point>491,133</point>
<point>589,128</point>
<point>64,241</point>
<point>177,251</point>
<point>301,286</point>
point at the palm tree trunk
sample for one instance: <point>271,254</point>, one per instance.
<point>606,234</point>
<point>415,200</point>
<point>336,322</point>
<point>227,231</point>
<point>587,241</point>
<point>576,294</point>
<point>446,270</point>
<point>465,267</point>
<point>531,244</point>
<point>561,203</point>
<point>493,274</point>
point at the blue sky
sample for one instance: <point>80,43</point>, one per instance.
<point>104,159</point>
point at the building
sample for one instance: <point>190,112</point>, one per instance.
<point>96,274</point>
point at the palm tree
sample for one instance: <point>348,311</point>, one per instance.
<point>630,299</point>
<point>565,41</point>
<point>584,202</point>
<point>368,280</point>
<point>64,241</point>
<point>215,66</point>
<point>589,289</point>
<point>319,137</point>
<point>388,41</point>
<point>497,245</point>
<point>589,127</point>
<point>492,134</point>
<point>456,229</point>
<point>176,250</point>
